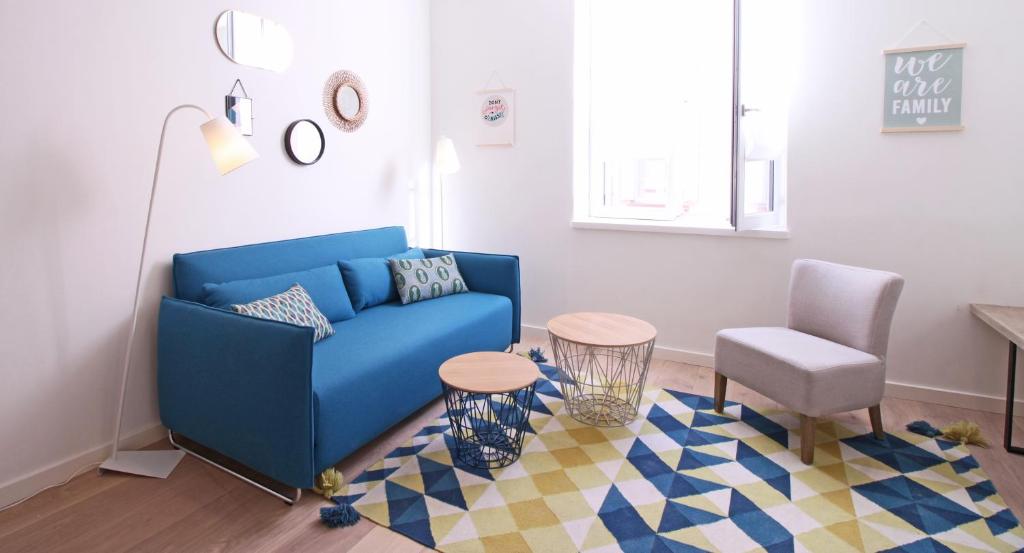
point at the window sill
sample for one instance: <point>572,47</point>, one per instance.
<point>639,225</point>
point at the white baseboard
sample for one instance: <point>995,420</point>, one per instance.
<point>535,333</point>
<point>24,486</point>
<point>684,356</point>
<point>898,390</point>
<point>941,396</point>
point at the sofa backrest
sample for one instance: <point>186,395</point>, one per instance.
<point>192,270</point>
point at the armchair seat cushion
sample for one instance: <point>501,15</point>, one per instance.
<point>808,374</point>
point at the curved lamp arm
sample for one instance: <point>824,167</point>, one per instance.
<point>138,278</point>
<point>230,151</point>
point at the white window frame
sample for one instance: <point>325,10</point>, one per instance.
<point>771,224</point>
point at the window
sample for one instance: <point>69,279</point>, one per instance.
<point>664,132</point>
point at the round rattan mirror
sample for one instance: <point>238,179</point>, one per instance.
<point>345,100</point>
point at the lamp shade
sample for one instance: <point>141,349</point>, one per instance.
<point>227,147</point>
<point>447,160</point>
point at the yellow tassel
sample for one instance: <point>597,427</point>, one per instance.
<point>965,432</point>
<point>329,483</point>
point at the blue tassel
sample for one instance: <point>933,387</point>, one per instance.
<point>537,356</point>
<point>342,514</point>
<point>924,429</point>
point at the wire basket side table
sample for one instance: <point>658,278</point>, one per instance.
<point>488,396</point>
<point>602,361</point>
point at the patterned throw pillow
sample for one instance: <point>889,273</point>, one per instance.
<point>291,306</point>
<point>424,279</point>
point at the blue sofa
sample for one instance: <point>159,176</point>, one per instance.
<point>262,393</point>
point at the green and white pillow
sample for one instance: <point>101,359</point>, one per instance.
<point>291,306</point>
<point>424,279</point>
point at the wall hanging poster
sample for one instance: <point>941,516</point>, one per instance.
<point>923,89</point>
<point>495,117</point>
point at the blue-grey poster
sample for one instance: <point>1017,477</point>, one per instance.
<point>923,89</point>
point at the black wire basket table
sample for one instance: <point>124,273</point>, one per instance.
<point>488,396</point>
<point>602,361</point>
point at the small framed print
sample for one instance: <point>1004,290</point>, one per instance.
<point>496,117</point>
<point>924,89</point>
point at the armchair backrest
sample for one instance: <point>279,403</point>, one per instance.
<point>849,305</point>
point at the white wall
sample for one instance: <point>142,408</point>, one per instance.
<point>944,210</point>
<point>85,89</point>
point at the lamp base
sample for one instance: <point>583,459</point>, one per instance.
<point>154,464</point>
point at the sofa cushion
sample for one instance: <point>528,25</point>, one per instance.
<point>192,270</point>
<point>425,279</point>
<point>382,365</point>
<point>323,284</point>
<point>291,306</point>
<point>368,279</point>
<point>808,374</point>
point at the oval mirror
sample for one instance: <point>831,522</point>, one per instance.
<point>304,142</point>
<point>252,40</point>
<point>347,102</point>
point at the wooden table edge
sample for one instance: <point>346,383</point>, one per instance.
<point>617,345</point>
<point>623,344</point>
<point>474,390</point>
<point>979,311</point>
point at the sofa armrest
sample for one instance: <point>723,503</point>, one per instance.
<point>493,274</point>
<point>239,385</point>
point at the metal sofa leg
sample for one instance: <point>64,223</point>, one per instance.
<point>282,497</point>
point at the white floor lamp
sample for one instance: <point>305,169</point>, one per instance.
<point>230,151</point>
<point>447,162</point>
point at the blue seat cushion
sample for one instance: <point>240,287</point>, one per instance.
<point>382,365</point>
<point>324,285</point>
<point>368,279</point>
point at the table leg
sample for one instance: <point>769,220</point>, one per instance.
<point>1011,377</point>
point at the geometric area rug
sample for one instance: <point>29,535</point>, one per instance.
<point>683,478</point>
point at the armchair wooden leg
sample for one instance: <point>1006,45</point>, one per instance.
<point>720,383</point>
<point>875,413</point>
<point>807,439</point>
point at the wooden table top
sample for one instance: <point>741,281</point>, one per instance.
<point>489,372</point>
<point>602,329</point>
<point>1005,319</point>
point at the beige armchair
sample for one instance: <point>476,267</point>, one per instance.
<point>830,357</point>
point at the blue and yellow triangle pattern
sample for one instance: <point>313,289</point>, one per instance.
<point>684,478</point>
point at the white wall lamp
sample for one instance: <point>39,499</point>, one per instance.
<point>229,151</point>
<point>447,162</point>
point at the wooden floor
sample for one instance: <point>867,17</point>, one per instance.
<point>200,508</point>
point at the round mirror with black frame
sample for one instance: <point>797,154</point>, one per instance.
<point>304,142</point>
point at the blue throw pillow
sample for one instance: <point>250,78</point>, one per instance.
<point>368,279</point>
<point>324,285</point>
